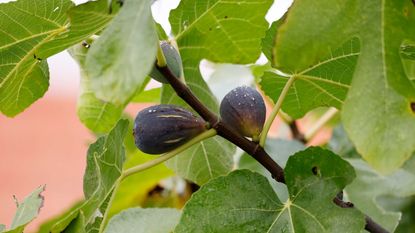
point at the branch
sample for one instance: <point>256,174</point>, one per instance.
<point>252,148</point>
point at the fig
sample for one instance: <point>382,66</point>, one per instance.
<point>243,109</point>
<point>162,128</point>
<point>173,60</point>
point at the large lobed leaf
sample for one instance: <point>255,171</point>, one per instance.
<point>370,187</point>
<point>26,211</point>
<point>31,31</point>
<point>104,166</point>
<point>121,58</point>
<point>373,104</point>
<point>382,86</point>
<point>220,31</point>
<point>323,84</point>
<point>312,182</point>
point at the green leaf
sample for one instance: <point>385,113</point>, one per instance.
<point>121,58</point>
<point>149,96</point>
<point>341,144</point>
<point>137,220</point>
<point>85,20</point>
<point>238,25</point>
<point>199,25</point>
<point>256,208</point>
<point>206,160</point>
<point>104,165</point>
<point>369,186</point>
<point>24,78</point>
<point>380,92</point>
<point>305,37</point>
<point>2,227</point>
<point>134,189</point>
<point>26,211</point>
<point>76,225</point>
<point>269,40</point>
<point>47,225</point>
<point>31,32</point>
<point>99,116</point>
<point>324,84</point>
<point>369,113</point>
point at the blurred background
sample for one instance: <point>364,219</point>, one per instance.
<point>47,144</point>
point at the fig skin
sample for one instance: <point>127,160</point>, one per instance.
<point>243,109</point>
<point>162,128</point>
<point>173,60</point>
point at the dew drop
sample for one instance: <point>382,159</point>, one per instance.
<point>185,24</point>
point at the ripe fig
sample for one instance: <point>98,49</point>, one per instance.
<point>162,128</point>
<point>243,109</point>
<point>173,60</point>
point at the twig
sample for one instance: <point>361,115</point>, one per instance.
<point>296,132</point>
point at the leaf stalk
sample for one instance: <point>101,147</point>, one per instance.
<point>275,110</point>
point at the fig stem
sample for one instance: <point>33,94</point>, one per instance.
<point>275,111</point>
<point>327,116</point>
<point>131,171</point>
<point>161,59</point>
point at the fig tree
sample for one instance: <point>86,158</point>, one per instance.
<point>243,109</point>
<point>173,60</point>
<point>162,128</point>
